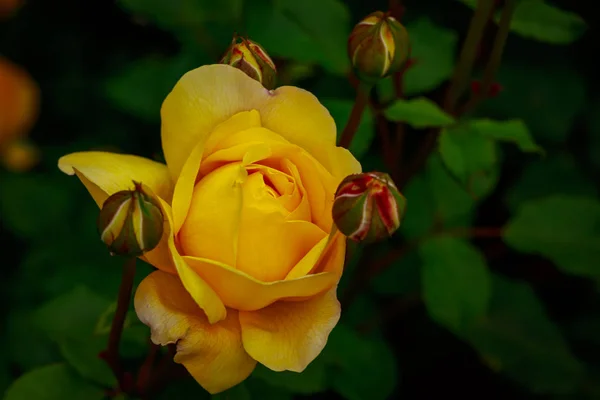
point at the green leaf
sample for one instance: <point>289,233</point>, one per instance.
<point>423,206</point>
<point>52,382</point>
<point>561,228</point>
<point>518,339</point>
<point>189,20</point>
<point>312,380</point>
<point>362,368</point>
<point>401,277</point>
<point>140,88</point>
<point>83,355</point>
<point>465,152</point>
<point>74,314</point>
<point>456,281</point>
<point>536,19</point>
<point>294,29</point>
<point>340,111</point>
<point>557,174</point>
<point>29,348</point>
<point>547,98</point>
<point>435,196</point>
<point>509,131</point>
<point>418,113</point>
<point>454,203</point>
<point>34,206</point>
<point>433,49</point>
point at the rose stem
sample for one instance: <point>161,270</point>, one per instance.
<point>457,85</point>
<point>362,98</point>
<point>145,371</point>
<point>493,63</point>
<point>397,10</point>
<point>116,329</point>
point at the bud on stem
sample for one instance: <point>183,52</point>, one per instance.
<point>252,59</point>
<point>368,207</point>
<point>131,222</point>
<point>378,46</point>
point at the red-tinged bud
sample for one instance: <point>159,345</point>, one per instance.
<point>368,207</point>
<point>378,46</point>
<point>252,59</point>
<point>131,222</point>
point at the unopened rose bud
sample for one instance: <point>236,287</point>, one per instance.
<point>378,46</point>
<point>368,207</point>
<point>131,222</point>
<point>252,59</point>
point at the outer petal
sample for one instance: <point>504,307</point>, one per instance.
<point>207,96</point>
<point>202,99</point>
<point>241,291</point>
<point>104,174</point>
<point>289,335</point>
<point>213,354</point>
<point>112,172</point>
<point>204,296</point>
<point>298,116</point>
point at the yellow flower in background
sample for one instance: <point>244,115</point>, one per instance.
<point>248,265</point>
<point>19,97</point>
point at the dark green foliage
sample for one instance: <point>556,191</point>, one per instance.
<point>517,299</point>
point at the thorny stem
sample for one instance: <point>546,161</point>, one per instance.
<point>362,98</point>
<point>116,329</point>
<point>493,63</point>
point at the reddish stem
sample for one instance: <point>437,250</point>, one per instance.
<point>111,354</point>
<point>362,98</point>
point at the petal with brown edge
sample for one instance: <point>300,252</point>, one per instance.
<point>213,354</point>
<point>290,335</point>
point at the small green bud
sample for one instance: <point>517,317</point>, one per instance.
<point>378,46</point>
<point>131,222</point>
<point>368,207</point>
<point>252,59</point>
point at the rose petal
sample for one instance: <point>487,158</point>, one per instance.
<point>241,291</point>
<point>213,354</point>
<point>104,174</point>
<point>209,95</point>
<point>213,221</point>
<point>290,335</point>
<point>184,186</point>
<point>204,296</point>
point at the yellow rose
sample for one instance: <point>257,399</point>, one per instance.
<point>248,268</point>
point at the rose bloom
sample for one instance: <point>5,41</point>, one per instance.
<point>248,265</point>
<point>19,96</point>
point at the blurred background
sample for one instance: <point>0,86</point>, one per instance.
<point>505,306</point>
